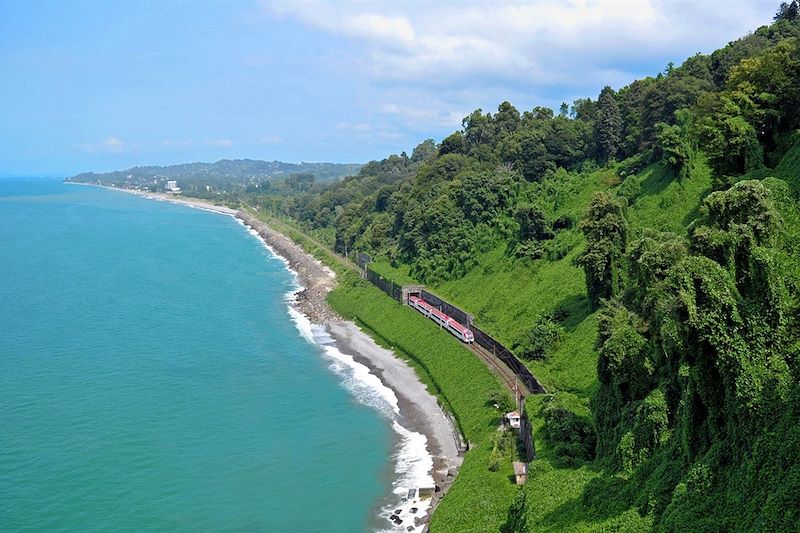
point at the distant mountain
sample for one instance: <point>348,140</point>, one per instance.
<point>226,175</point>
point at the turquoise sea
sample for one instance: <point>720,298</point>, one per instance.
<point>151,377</point>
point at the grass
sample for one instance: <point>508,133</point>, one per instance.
<point>479,498</point>
<point>789,167</point>
<point>399,275</point>
<point>506,295</point>
<point>665,202</point>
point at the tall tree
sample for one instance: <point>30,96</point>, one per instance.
<point>506,120</point>
<point>787,11</point>
<point>609,124</point>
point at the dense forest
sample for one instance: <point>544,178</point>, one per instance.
<point>641,251</point>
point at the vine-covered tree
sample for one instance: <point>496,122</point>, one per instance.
<point>606,231</point>
<point>673,145</point>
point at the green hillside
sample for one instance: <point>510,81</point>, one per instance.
<point>641,253</point>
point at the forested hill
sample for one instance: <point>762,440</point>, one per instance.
<point>226,176</point>
<point>641,251</point>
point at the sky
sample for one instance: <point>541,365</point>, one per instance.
<point>99,86</point>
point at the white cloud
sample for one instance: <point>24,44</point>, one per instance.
<point>388,30</point>
<point>414,115</point>
<point>108,145</point>
<point>420,67</point>
<point>269,139</point>
<point>178,143</point>
<point>353,126</point>
<point>220,143</point>
<point>542,42</point>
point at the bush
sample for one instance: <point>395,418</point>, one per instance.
<point>544,335</point>
<point>502,399</point>
<point>529,250</point>
<point>572,437</point>
<point>563,222</point>
<point>630,190</point>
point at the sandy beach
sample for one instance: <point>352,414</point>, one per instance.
<point>419,409</point>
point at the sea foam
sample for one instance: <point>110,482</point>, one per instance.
<point>412,460</point>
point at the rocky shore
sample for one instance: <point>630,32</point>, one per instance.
<point>316,279</point>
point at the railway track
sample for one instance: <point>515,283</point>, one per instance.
<point>509,379</point>
<point>506,375</point>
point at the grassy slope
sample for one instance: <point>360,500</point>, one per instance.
<point>554,498</point>
<point>789,167</point>
<point>505,295</point>
<point>665,203</point>
<point>479,498</point>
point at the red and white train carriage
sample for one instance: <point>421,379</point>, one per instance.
<point>451,324</point>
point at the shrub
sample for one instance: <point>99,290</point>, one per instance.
<point>572,437</point>
<point>544,335</point>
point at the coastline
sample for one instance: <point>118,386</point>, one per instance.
<point>417,410</point>
<point>163,197</point>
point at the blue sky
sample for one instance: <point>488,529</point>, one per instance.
<point>107,85</point>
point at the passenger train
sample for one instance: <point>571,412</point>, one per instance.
<point>451,324</point>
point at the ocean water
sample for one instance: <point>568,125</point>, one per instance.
<point>153,377</point>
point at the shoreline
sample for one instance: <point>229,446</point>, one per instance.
<point>419,410</point>
<point>197,203</point>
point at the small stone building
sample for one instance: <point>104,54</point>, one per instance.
<point>512,418</point>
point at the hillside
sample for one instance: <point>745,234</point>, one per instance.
<point>641,252</point>
<point>224,176</point>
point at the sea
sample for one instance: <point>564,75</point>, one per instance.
<point>155,376</point>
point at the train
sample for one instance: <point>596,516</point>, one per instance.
<point>449,323</point>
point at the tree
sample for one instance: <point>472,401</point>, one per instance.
<point>728,139</point>
<point>674,148</point>
<point>437,238</point>
<point>609,125</point>
<point>534,158</point>
<point>541,339</point>
<point>482,196</point>
<point>424,151</point>
<point>506,120</point>
<point>765,88</point>
<point>533,224</point>
<point>300,182</point>
<point>786,11</point>
<point>478,128</point>
<point>606,231</point>
<point>453,144</point>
